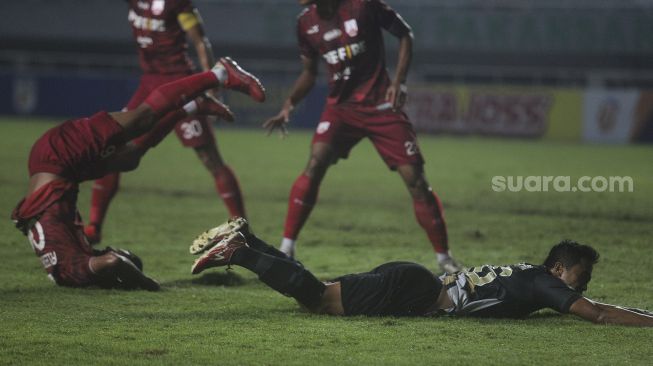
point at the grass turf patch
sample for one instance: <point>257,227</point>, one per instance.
<point>364,218</point>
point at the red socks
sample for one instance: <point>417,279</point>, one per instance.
<point>227,186</point>
<point>174,95</point>
<point>102,193</point>
<point>303,196</point>
<point>430,216</point>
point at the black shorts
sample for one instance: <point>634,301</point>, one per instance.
<point>395,289</point>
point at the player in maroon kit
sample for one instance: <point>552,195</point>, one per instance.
<point>88,148</point>
<point>363,102</point>
<point>160,29</point>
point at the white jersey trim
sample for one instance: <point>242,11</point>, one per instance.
<point>460,297</point>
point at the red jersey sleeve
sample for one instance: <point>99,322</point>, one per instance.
<point>389,19</point>
<point>305,47</point>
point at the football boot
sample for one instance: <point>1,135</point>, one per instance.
<point>241,80</point>
<point>220,254</point>
<point>211,237</point>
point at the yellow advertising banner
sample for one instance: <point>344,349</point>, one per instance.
<point>566,116</point>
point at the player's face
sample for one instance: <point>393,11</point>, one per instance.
<point>577,276</point>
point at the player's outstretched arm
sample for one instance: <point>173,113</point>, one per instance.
<point>599,313</point>
<point>396,93</point>
<point>300,89</point>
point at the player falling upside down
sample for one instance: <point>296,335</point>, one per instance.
<point>88,148</point>
<point>363,102</point>
<point>161,30</point>
<point>408,289</point>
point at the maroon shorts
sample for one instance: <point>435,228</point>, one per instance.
<point>77,149</point>
<point>390,131</point>
<point>192,131</point>
<point>58,240</point>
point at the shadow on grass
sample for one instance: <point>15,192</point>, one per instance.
<point>535,319</point>
<point>616,216</point>
<point>227,279</point>
<point>391,321</point>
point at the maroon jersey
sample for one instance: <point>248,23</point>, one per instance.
<point>351,44</point>
<point>77,149</point>
<point>161,41</point>
<point>50,219</point>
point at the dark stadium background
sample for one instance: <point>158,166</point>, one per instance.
<point>72,57</point>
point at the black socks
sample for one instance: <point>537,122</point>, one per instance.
<point>280,273</point>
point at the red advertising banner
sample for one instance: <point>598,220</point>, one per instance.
<point>466,110</point>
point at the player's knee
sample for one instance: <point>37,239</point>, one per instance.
<point>419,189</point>
<point>322,156</point>
<point>317,166</point>
<point>412,175</point>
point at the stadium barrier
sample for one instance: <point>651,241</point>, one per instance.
<point>70,94</point>
<point>568,114</point>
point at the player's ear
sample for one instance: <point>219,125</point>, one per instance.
<point>557,269</point>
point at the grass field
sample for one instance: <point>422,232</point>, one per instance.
<point>364,218</point>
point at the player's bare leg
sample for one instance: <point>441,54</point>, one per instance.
<point>135,122</point>
<point>174,95</point>
<point>103,191</point>
<point>429,214</point>
<point>331,303</point>
<point>162,101</point>
<point>304,192</point>
<point>127,159</point>
<point>128,156</point>
<point>113,267</point>
<point>225,180</point>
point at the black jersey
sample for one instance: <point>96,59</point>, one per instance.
<point>507,291</point>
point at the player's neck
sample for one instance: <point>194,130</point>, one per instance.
<point>326,9</point>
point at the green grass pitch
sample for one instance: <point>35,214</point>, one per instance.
<point>364,218</point>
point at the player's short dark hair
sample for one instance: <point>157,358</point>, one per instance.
<point>570,253</point>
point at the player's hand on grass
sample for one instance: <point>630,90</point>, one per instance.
<point>396,94</point>
<point>280,121</point>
